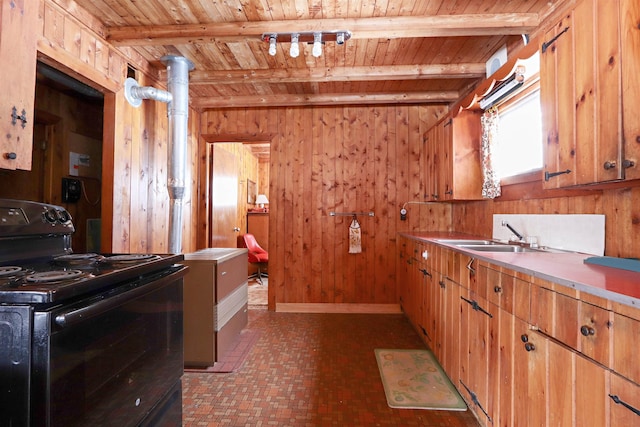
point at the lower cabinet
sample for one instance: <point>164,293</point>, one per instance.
<point>215,303</point>
<point>522,351</point>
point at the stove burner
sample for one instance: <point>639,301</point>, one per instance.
<point>80,260</point>
<point>9,270</point>
<point>130,258</point>
<point>53,276</point>
<point>76,257</point>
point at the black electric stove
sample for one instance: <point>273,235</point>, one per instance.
<point>90,338</point>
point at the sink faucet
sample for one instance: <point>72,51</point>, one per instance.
<point>518,235</point>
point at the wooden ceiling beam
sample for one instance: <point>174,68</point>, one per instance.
<point>336,74</point>
<point>361,28</point>
<point>204,103</point>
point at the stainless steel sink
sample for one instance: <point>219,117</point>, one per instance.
<point>499,248</point>
<point>460,242</point>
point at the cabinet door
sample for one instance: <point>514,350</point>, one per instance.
<point>580,82</point>
<point>530,366</point>
<point>630,17</point>
<point>18,36</point>
<point>475,381</point>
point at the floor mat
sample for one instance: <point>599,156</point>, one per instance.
<point>413,379</point>
<point>235,357</point>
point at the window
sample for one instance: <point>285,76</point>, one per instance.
<point>519,148</point>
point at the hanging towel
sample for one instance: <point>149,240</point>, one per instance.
<point>355,237</point>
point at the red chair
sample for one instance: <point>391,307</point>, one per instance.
<point>257,255</point>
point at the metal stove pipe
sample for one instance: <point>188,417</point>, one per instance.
<point>178,69</point>
<point>177,98</point>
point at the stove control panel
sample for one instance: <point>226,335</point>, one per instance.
<point>23,218</point>
<point>12,216</point>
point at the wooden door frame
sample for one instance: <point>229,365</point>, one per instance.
<point>204,151</point>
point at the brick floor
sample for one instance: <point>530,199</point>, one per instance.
<point>310,370</point>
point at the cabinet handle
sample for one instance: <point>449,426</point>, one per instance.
<point>524,338</point>
<point>546,45</point>
<point>442,285</point>
<point>15,117</point>
<point>608,165</point>
<point>474,399</point>
<point>497,289</point>
<point>424,332</point>
<point>470,266</point>
<point>449,192</point>
<point>529,347</point>
<point>618,401</point>
<point>548,174</point>
<point>435,196</point>
<point>474,304</point>
<point>10,156</point>
<point>223,273</point>
<point>425,272</point>
<point>587,330</point>
<point>626,163</point>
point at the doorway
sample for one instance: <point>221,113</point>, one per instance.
<point>223,215</point>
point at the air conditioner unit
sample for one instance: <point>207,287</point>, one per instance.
<point>497,60</point>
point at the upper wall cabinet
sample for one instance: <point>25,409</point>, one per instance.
<point>452,148</point>
<point>18,38</point>
<point>589,90</point>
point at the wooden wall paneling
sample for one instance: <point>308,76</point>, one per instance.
<point>384,221</point>
<point>366,283</point>
<point>121,176</point>
<point>351,187</point>
<point>329,184</point>
<point>158,216</point>
<point>342,132</point>
<point>315,206</point>
<point>139,175</point>
<point>305,189</point>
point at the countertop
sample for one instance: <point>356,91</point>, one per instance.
<point>214,254</point>
<point>567,269</point>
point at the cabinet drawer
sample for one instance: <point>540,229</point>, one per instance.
<point>507,292</point>
<point>624,399</point>
<point>625,347</point>
<point>229,274</point>
<point>584,327</point>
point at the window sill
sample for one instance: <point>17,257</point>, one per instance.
<point>531,176</point>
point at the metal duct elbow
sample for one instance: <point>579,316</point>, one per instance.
<point>134,93</point>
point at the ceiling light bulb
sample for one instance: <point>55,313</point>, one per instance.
<point>272,45</point>
<point>340,38</point>
<point>295,49</point>
<point>317,45</point>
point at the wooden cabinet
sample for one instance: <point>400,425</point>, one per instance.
<point>215,303</point>
<point>522,350</point>
<point>589,91</point>
<point>453,164</point>
<point>18,37</point>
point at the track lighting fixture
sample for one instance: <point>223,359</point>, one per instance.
<point>294,51</point>
<point>317,45</point>
<point>317,38</point>
<point>272,45</point>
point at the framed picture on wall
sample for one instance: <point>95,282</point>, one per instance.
<point>252,192</point>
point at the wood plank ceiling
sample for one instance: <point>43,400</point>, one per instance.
<point>400,51</point>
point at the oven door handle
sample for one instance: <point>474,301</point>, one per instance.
<point>73,317</point>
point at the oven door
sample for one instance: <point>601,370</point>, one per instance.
<point>112,358</point>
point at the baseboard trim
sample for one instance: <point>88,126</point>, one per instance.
<point>338,308</point>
